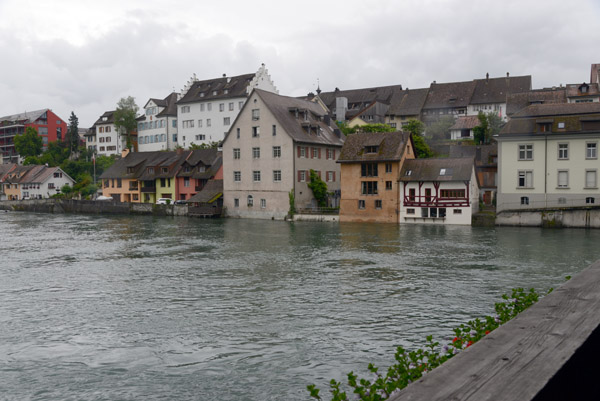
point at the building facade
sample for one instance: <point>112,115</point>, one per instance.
<point>157,126</point>
<point>108,140</point>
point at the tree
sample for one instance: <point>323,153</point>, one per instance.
<point>211,145</point>
<point>125,117</point>
<point>374,128</point>
<point>440,129</point>
<point>29,143</point>
<point>416,128</point>
<point>490,124</point>
<point>73,134</point>
<point>319,188</point>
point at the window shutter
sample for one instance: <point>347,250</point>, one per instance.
<point>334,158</point>
<point>311,152</point>
<point>319,173</point>
<point>334,171</point>
<point>298,175</point>
<point>298,151</point>
<point>319,153</point>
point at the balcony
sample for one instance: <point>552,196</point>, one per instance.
<point>148,190</point>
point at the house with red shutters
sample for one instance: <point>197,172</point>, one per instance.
<point>47,124</point>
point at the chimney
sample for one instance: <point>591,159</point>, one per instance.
<point>507,75</point>
<point>434,82</point>
<point>224,75</point>
<point>487,76</point>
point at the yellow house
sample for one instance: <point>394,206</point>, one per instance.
<point>370,175</point>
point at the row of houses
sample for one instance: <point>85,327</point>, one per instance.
<point>31,182</point>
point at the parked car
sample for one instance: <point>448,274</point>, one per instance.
<point>104,198</point>
<point>164,201</point>
<point>179,202</point>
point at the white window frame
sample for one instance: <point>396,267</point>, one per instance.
<point>236,153</point>
<point>256,175</point>
<point>525,174</point>
<point>563,151</point>
<point>595,183</point>
<point>237,176</point>
<point>524,149</point>
<point>589,153</point>
<point>564,173</point>
<point>256,152</point>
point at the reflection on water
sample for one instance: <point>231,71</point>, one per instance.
<point>170,308</point>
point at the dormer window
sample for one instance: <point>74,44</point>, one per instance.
<point>226,91</point>
<point>165,170</point>
<point>104,118</point>
<point>584,88</point>
<point>201,94</point>
<point>130,170</point>
<point>545,127</point>
<point>561,125</point>
<point>214,93</point>
<point>408,172</point>
<point>150,170</point>
<point>201,169</point>
<point>371,149</point>
<point>442,171</point>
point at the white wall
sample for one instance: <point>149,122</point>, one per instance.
<point>163,137</point>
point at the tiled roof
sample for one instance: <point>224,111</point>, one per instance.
<point>5,168</point>
<point>364,97</point>
<point>390,147</point>
<point>465,122</point>
<point>482,153</point>
<point>495,90</point>
<point>408,102</point>
<point>459,169</point>
<point>449,95</point>
<point>573,90</point>
<point>518,101</point>
<point>211,190</point>
<point>109,118</point>
<point>282,108</point>
<point>539,110</point>
<point>225,87</point>
<point>170,106</point>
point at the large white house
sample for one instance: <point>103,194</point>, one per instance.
<point>269,152</point>
<point>548,157</point>
<point>438,191</point>
<point>157,127</point>
<point>107,139</point>
<point>206,109</point>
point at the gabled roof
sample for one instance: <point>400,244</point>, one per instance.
<point>449,95</point>
<point>390,147</point>
<point>210,159</point>
<point>483,154</point>
<point>211,192</point>
<point>109,118</point>
<point>563,109</point>
<point>225,87</point>
<point>574,90</point>
<point>465,122</point>
<point>408,102</point>
<point>25,117</point>
<point>364,96</point>
<point>283,110</point>
<point>495,90</point>
<point>518,101</point>
<point>34,174</point>
<point>170,106</point>
<point>5,169</point>
<point>459,169</point>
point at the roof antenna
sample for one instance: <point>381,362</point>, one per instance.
<point>318,87</point>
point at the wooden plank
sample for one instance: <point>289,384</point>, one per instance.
<point>518,359</point>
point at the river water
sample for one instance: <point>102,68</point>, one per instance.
<point>131,308</point>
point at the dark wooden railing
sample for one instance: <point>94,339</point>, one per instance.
<point>549,352</point>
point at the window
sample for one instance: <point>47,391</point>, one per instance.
<point>442,212</point>
<point>561,125</point>
<point>226,121</point>
<point>562,201</point>
<point>135,197</point>
<point>525,179</point>
<point>230,106</point>
<point>188,124</point>
<point>201,105</point>
<point>236,202</point>
<point>591,150</point>
<point>255,132</point>
<point>208,122</point>
<point>174,137</point>
<point>256,153</point>
<point>276,175</point>
<point>263,203</point>
<point>424,212</point>
<point>452,193</point>
<point>563,151</point>
<point>388,185</point>
<point>411,194</point>
<point>221,106</point>
<point>174,123</point>
<point>240,104</point>
<point>255,114</point>
<point>250,201</point>
<point>457,211</point>
<point>371,149</point>
<point>408,172</point>
<point>330,154</point>
<point>591,179</point>
<point>442,171</point>
<point>185,109</point>
<point>274,129</point>
<point>369,187</point>
<point>301,176</point>
<point>315,153</point>
<point>236,153</point>
<point>201,137</point>
<point>525,152</point>
<point>330,176</point>
<point>410,211</point>
<point>545,127</point>
<point>524,200</point>
<point>276,151</point>
<point>378,204</point>
<point>119,183</point>
<point>50,185</point>
<point>368,170</point>
<point>388,167</point>
<point>200,123</point>
<point>209,106</point>
<point>256,175</point>
<point>301,151</point>
<point>237,176</point>
<point>590,200</point>
<point>361,204</point>
<point>563,179</point>
<point>186,181</point>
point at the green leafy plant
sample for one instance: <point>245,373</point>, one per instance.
<point>292,198</point>
<point>411,365</point>
<point>319,188</point>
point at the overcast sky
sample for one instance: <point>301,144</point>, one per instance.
<point>83,56</point>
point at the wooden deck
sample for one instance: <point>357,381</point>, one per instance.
<point>549,352</point>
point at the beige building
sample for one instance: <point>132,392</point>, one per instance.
<point>548,157</point>
<point>269,151</point>
<point>370,168</point>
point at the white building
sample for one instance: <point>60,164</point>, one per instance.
<point>438,191</point>
<point>206,109</point>
<point>269,152</point>
<point>157,127</point>
<point>490,94</point>
<point>35,182</point>
<point>108,141</point>
<point>548,157</point>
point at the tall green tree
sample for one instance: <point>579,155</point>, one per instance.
<point>125,117</point>
<point>416,128</point>
<point>73,134</point>
<point>29,143</point>
<point>490,124</point>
